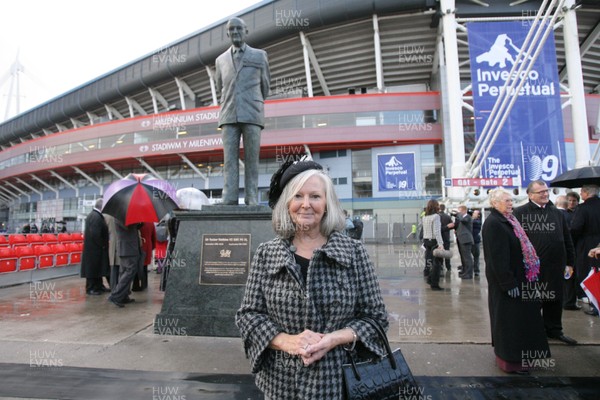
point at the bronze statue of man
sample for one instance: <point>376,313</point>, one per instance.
<point>243,76</point>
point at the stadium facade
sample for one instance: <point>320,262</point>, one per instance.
<point>356,84</point>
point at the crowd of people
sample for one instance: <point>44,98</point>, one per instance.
<point>309,289</point>
<point>436,227</point>
<point>536,257</point>
<point>118,253</point>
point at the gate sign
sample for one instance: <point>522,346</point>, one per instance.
<point>396,171</point>
<point>530,144</point>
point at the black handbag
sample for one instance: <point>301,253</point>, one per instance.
<point>378,378</point>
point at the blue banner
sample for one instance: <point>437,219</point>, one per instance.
<point>531,142</point>
<point>396,171</point>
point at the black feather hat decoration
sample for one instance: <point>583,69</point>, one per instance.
<point>284,174</point>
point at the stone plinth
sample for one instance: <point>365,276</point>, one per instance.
<point>209,267</point>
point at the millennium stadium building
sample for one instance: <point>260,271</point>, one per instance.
<point>383,93</point>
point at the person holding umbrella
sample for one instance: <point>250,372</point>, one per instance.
<point>130,253</point>
<point>585,229</point>
<point>135,199</point>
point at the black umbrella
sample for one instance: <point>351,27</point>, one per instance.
<point>578,177</point>
<point>139,198</point>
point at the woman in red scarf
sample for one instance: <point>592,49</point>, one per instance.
<point>511,269</point>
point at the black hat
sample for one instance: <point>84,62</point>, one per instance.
<point>284,174</point>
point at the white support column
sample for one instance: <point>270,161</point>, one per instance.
<point>157,98</point>
<point>44,183</point>
<point>76,123</point>
<point>134,105</point>
<point>149,168</point>
<point>154,102</point>
<point>454,108</point>
<point>307,74</point>
<point>91,116</point>
<point>308,51</point>
<point>130,105</point>
<point>575,76</point>
<point>378,61</point>
<point>181,94</point>
<point>89,178</point>
<point>10,193</point>
<point>28,186</point>
<point>113,112</point>
<point>66,182</point>
<point>61,128</point>
<point>213,89</point>
<point>111,169</point>
<point>195,169</point>
<point>184,89</point>
<point>6,199</point>
<point>20,191</point>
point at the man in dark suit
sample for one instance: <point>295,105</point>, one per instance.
<point>94,258</point>
<point>585,229</point>
<point>562,203</point>
<point>548,232</point>
<point>130,252</point>
<point>476,248</point>
<point>243,76</point>
<point>445,220</point>
<point>463,223</point>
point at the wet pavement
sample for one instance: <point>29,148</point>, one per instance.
<point>52,334</point>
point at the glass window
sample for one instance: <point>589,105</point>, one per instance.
<point>362,176</point>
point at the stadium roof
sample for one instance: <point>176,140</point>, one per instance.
<point>339,38</point>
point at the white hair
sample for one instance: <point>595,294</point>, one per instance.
<point>333,220</point>
<point>496,195</point>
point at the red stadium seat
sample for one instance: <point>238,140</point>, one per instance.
<point>74,250</point>
<point>26,257</point>
<point>45,256</point>
<point>8,260</point>
<point>4,241</point>
<point>61,255</point>
<point>34,239</point>
<point>17,239</point>
<point>49,238</point>
<point>64,238</point>
<point>77,237</point>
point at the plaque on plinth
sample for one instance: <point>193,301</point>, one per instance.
<point>209,266</point>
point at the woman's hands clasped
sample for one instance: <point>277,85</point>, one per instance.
<point>310,346</point>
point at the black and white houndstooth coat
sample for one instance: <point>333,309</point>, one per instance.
<point>341,285</point>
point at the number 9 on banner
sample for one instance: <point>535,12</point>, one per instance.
<point>550,167</point>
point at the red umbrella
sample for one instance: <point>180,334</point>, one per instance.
<point>591,286</point>
<point>139,198</point>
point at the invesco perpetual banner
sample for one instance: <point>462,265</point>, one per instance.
<point>531,142</point>
<point>396,171</point>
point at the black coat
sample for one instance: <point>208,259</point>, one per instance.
<point>94,258</point>
<point>548,231</point>
<point>585,229</point>
<point>445,219</point>
<point>516,323</point>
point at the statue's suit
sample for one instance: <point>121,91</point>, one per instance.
<point>243,91</point>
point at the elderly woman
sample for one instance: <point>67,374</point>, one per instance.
<point>306,292</point>
<point>432,239</point>
<point>511,268</point>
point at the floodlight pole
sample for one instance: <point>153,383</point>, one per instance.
<point>578,111</point>
<point>454,108</point>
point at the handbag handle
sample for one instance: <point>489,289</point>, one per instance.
<point>382,336</point>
